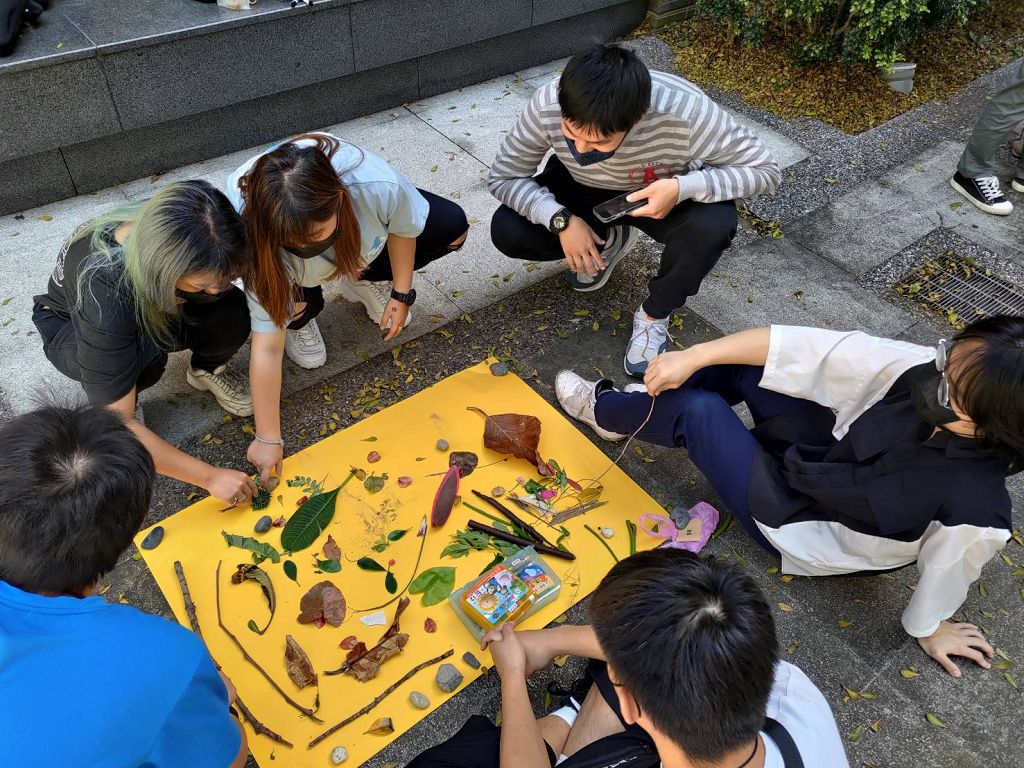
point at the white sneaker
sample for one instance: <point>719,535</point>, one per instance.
<point>649,339</point>
<point>229,387</point>
<point>373,296</point>
<point>1017,184</point>
<point>306,346</point>
<point>577,396</point>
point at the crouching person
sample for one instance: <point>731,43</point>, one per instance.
<point>685,672</point>
<point>84,681</point>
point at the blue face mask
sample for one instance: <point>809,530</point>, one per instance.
<point>587,158</point>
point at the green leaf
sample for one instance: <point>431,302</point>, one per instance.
<point>310,520</point>
<point>390,583</point>
<point>631,527</point>
<point>258,548</point>
<point>329,566</point>
<point>371,439</point>
<point>375,483</point>
<point>369,564</point>
<point>434,583</point>
<point>397,534</point>
<point>934,720</point>
<point>252,625</point>
<point>291,570</point>
<point>498,558</point>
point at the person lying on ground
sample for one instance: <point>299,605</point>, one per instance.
<point>141,281</point>
<point>867,454</point>
<point>686,672</point>
<point>616,127</point>
<point>321,209</point>
<point>86,681</point>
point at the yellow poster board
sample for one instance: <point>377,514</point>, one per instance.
<point>405,435</point>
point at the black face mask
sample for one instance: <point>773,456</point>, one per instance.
<point>313,250</point>
<point>198,297</point>
<point>925,396</point>
<point>587,158</point>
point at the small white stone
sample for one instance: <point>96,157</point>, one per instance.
<point>339,755</point>
<point>607,532</point>
<point>378,619</point>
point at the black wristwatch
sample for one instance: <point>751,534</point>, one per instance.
<point>560,221</point>
<point>406,298</point>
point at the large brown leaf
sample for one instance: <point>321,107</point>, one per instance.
<point>445,498</point>
<point>513,433</point>
<point>297,663</point>
<point>322,601</point>
<point>365,664</point>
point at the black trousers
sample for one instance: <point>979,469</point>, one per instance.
<point>694,235</point>
<point>214,332</point>
<point>478,742</point>
<point>446,223</point>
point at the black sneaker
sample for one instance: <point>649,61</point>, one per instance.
<point>984,193</point>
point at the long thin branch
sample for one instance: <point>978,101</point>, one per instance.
<point>311,713</point>
<point>387,692</point>
<point>193,619</point>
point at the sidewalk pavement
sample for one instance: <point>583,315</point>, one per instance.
<point>855,212</point>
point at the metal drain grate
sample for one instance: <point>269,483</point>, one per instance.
<point>960,290</point>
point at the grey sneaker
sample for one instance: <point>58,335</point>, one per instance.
<point>229,387</point>
<point>649,339</point>
<point>306,346</point>
<point>621,241</point>
<point>577,396</point>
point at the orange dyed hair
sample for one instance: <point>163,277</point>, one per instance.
<point>287,191</point>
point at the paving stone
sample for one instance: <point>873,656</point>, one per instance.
<point>780,281</point>
<point>43,176</point>
<point>546,11</point>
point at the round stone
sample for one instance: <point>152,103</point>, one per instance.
<point>153,538</point>
<point>497,491</point>
<point>448,677</point>
<point>419,700</point>
<point>471,660</point>
<point>339,755</point>
<point>499,368</point>
<point>607,532</point>
<point>263,524</point>
<point>442,444</point>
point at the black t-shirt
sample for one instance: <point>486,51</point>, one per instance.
<point>107,331</point>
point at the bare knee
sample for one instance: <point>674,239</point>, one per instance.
<point>459,241</point>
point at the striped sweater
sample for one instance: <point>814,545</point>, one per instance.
<point>683,135</point>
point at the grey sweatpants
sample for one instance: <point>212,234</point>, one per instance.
<point>1000,115</point>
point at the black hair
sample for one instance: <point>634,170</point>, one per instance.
<point>605,88</point>
<point>693,640</point>
<point>987,383</point>
<point>75,484</point>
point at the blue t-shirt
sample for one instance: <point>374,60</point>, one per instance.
<point>85,682</point>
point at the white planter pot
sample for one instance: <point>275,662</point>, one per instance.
<point>901,77</point>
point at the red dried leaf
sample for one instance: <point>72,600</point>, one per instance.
<point>348,643</point>
<point>279,522</point>
<point>323,602</point>
<point>331,549</point>
<point>513,433</point>
<point>444,499</point>
<point>429,625</point>
<point>297,663</point>
<point>356,652</point>
<point>373,457</point>
<point>404,481</point>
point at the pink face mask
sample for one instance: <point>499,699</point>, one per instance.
<point>693,536</point>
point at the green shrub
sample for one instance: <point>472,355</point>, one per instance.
<point>845,30</point>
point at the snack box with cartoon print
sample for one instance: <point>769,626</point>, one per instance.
<point>511,591</point>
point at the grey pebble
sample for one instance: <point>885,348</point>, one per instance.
<point>471,660</point>
<point>419,700</point>
<point>499,368</point>
<point>442,444</point>
<point>339,755</point>
<point>153,538</point>
<point>448,677</point>
<point>263,524</point>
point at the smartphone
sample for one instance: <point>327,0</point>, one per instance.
<point>617,207</point>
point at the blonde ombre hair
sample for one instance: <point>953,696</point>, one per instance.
<point>188,228</point>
